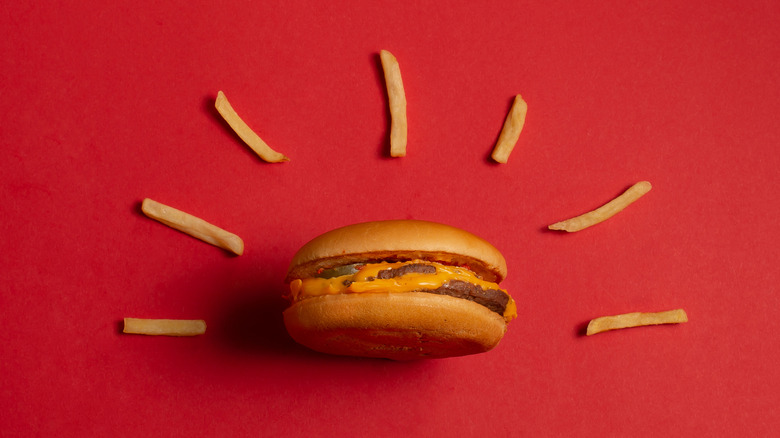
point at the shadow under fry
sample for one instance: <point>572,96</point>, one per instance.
<point>581,330</point>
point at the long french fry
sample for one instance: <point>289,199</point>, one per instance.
<point>636,319</point>
<point>193,226</point>
<point>246,133</point>
<point>604,212</point>
<point>397,102</point>
<point>164,327</point>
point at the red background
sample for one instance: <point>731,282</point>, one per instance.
<point>106,103</point>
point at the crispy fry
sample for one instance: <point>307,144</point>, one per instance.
<point>165,327</point>
<point>245,132</point>
<point>397,103</point>
<point>510,133</point>
<point>637,319</point>
<point>193,226</point>
<point>604,212</point>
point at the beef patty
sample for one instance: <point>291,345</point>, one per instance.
<point>494,299</point>
<point>419,268</point>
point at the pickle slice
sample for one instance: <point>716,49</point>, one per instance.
<point>339,271</point>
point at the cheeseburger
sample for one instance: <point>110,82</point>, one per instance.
<point>400,289</point>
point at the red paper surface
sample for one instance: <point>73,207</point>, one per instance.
<point>107,103</point>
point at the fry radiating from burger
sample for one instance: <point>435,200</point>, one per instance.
<point>604,212</point>
<point>510,132</point>
<point>636,319</point>
<point>396,98</point>
<point>401,290</point>
<point>246,133</point>
<point>192,225</point>
<point>164,327</point>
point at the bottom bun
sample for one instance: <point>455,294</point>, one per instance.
<point>399,326</point>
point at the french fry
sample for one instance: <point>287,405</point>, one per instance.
<point>164,327</point>
<point>637,319</point>
<point>397,103</point>
<point>604,212</point>
<point>510,133</point>
<point>246,133</point>
<point>193,226</point>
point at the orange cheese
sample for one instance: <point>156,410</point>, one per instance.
<point>366,281</point>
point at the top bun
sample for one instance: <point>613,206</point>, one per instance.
<point>398,240</point>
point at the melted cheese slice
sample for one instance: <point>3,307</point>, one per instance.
<point>366,281</point>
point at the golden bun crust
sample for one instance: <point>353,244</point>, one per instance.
<point>399,326</point>
<point>400,239</point>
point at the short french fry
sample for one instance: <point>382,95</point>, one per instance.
<point>604,212</point>
<point>396,98</point>
<point>165,327</point>
<point>246,133</point>
<point>510,133</point>
<point>193,226</point>
<point>606,323</point>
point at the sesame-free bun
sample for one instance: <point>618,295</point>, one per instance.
<point>400,240</point>
<point>399,326</point>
